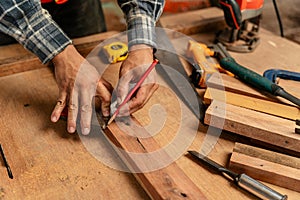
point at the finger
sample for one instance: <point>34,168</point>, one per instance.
<point>85,111</point>
<point>60,104</point>
<point>104,90</point>
<point>142,97</point>
<point>123,87</point>
<point>72,111</point>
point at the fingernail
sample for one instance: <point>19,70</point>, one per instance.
<point>54,119</point>
<point>71,129</point>
<point>86,131</point>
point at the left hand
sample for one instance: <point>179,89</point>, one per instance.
<point>139,59</point>
<point>78,82</point>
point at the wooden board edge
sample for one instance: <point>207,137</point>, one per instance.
<point>18,64</point>
<point>266,171</point>
<point>169,182</point>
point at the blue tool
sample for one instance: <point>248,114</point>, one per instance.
<point>273,74</point>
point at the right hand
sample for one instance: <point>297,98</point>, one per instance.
<point>78,83</point>
<point>138,61</point>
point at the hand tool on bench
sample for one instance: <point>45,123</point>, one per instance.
<point>116,51</point>
<point>275,74</point>
<point>242,17</point>
<point>242,180</point>
<point>9,172</point>
<point>250,77</point>
<point>204,65</point>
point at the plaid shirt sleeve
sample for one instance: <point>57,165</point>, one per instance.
<point>141,17</point>
<point>32,26</point>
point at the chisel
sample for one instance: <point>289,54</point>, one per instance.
<point>250,77</point>
<point>242,180</point>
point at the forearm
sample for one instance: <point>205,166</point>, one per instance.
<point>33,27</point>
<point>141,17</point>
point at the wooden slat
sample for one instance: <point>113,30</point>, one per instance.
<point>265,165</point>
<point>231,84</point>
<point>18,59</point>
<point>258,126</point>
<point>269,107</point>
<point>165,183</point>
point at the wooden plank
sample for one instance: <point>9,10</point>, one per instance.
<point>37,144</point>
<point>231,84</point>
<point>193,22</point>
<point>166,183</point>
<point>267,166</point>
<point>266,128</point>
<point>269,107</point>
<point>34,152</point>
<point>19,60</point>
<point>46,161</point>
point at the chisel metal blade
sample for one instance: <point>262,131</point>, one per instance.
<point>205,160</point>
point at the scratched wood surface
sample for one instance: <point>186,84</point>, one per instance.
<point>48,163</point>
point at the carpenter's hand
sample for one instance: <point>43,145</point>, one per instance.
<point>139,59</point>
<point>78,83</point>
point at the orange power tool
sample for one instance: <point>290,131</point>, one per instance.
<point>204,63</point>
<point>242,17</point>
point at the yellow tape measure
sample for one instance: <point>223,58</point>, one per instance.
<point>116,51</point>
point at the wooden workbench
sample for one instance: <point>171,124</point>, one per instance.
<point>49,163</point>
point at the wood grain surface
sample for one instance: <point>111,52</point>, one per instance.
<point>255,125</point>
<point>266,165</point>
<point>48,163</point>
<point>277,109</point>
<point>14,58</point>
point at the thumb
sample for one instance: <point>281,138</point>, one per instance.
<point>123,88</point>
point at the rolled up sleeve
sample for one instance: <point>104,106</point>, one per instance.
<point>141,17</point>
<point>33,27</point>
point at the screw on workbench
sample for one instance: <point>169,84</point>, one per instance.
<point>10,175</point>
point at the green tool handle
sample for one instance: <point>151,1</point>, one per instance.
<point>249,76</point>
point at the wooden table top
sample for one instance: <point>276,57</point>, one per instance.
<point>49,163</point>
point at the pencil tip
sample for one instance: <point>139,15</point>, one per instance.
<point>111,119</point>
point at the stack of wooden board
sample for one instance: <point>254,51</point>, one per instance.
<point>276,168</point>
<point>240,109</point>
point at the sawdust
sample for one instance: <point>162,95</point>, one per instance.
<point>2,193</point>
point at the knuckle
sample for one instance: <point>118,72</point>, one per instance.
<point>86,108</point>
<point>105,99</point>
<point>139,103</point>
<point>72,106</point>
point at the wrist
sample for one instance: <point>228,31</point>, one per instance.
<point>141,50</point>
<point>68,54</point>
<point>141,47</point>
